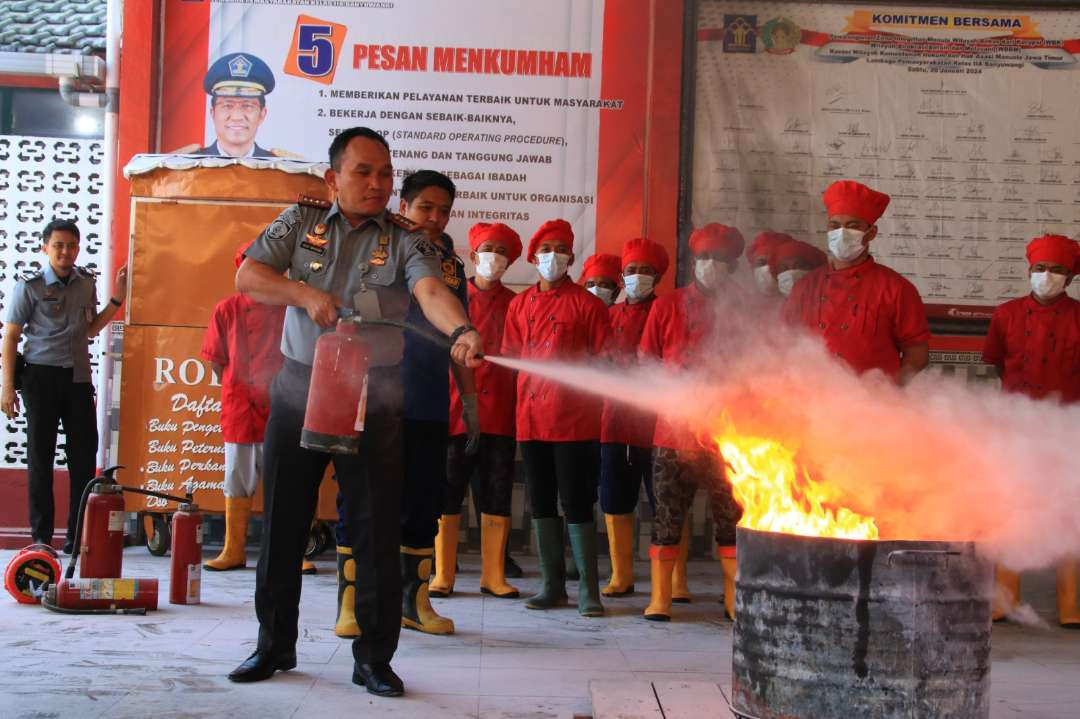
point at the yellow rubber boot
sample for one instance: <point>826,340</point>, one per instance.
<point>494,531</point>
<point>346,625</point>
<point>680,590</point>
<point>662,563</point>
<point>1006,593</point>
<point>620,537</point>
<point>446,541</point>
<point>1068,612</point>
<point>416,610</point>
<point>233,554</point>
<point>727,563</point>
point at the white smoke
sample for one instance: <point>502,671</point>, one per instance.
<point>934,460</point>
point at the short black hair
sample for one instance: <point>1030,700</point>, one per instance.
<point>260,98</point>
<point>337,147</point>
<point>414,183</point>
<point>59,226</point>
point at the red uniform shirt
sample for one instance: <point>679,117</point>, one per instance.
<point>619,423</point>
<point>677,327</point>
<point>1038,346</point>
<point>496,387</point>
<point>866,313</point>
<point>566,324</point>
<point>244,337</point>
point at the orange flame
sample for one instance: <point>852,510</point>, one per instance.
<point>779,496</point>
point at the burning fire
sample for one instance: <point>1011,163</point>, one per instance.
<point>777,495</point>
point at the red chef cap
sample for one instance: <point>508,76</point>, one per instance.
<point>651,253</point>
<point>602,265</point>
<point>1055,250</point>
<point>765,243</point>
<point>239,259</point>
<point>483,232</point>
<point>796,249</point>
<point>551,230</point>
<point>715,237</point>
<point>847,197</point>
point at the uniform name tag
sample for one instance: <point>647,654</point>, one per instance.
<point>313,248</point>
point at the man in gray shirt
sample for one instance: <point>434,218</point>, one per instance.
<point>349,254</point>
<point>56,311</point>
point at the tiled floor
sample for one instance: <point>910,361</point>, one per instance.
<point>504,661</point>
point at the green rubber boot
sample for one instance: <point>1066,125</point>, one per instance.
<point>583,545</point>
<point>549,542</point>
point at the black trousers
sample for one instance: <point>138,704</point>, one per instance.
<point>51,398</point>
<point>490,473</point>
<point>623,469</point>
<point>425,481</point>
<point>561,473</point>
<point>371,484</point>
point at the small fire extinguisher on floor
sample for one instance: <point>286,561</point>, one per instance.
<point>186,567</point>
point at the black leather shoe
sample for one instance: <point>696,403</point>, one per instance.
<point>260,666</point>
<point>379,679</point>
<point>69,547</point>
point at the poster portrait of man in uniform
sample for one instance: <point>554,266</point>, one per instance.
<point>237,84</point>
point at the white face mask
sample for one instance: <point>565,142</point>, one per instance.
<point>490,265</point>
<point>764,280</point>
<point>787,279</point>
<point>552,265</point>
<point>604,293</point>
<point>638,287</point>
<point>1047,285</point>
<point>710,273</point>
<point>846,243</point>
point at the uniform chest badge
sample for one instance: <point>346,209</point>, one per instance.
<point>317,240</point>
<point>315,266</point>
<point>379,256</point>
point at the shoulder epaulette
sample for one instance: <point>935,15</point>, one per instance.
<point>309,201</point>
<point>402,221</point>
<point>31,276</point>
<point>87,272</point>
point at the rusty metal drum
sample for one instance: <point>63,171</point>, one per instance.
<point>837,628</point>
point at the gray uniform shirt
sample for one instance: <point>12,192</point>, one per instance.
<point>54,317</point>
<point>320,248</point>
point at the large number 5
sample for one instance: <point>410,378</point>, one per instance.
<point>315,52</point>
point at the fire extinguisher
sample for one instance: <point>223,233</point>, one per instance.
<point>102,596</point>
<point>103,533</point>
<point>337,394</point>
<point>186,567</point>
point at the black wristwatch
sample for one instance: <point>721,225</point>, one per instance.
<point>460,331</point>
<point>114,301</point>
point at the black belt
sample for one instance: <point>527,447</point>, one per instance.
<point>49,367</point>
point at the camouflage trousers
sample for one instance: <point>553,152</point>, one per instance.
<point>677,475</point>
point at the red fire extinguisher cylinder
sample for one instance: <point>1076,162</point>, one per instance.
<point>337,394</point>
<point>115,593</point>
<point>186,567</point>
<point>102,547</point>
